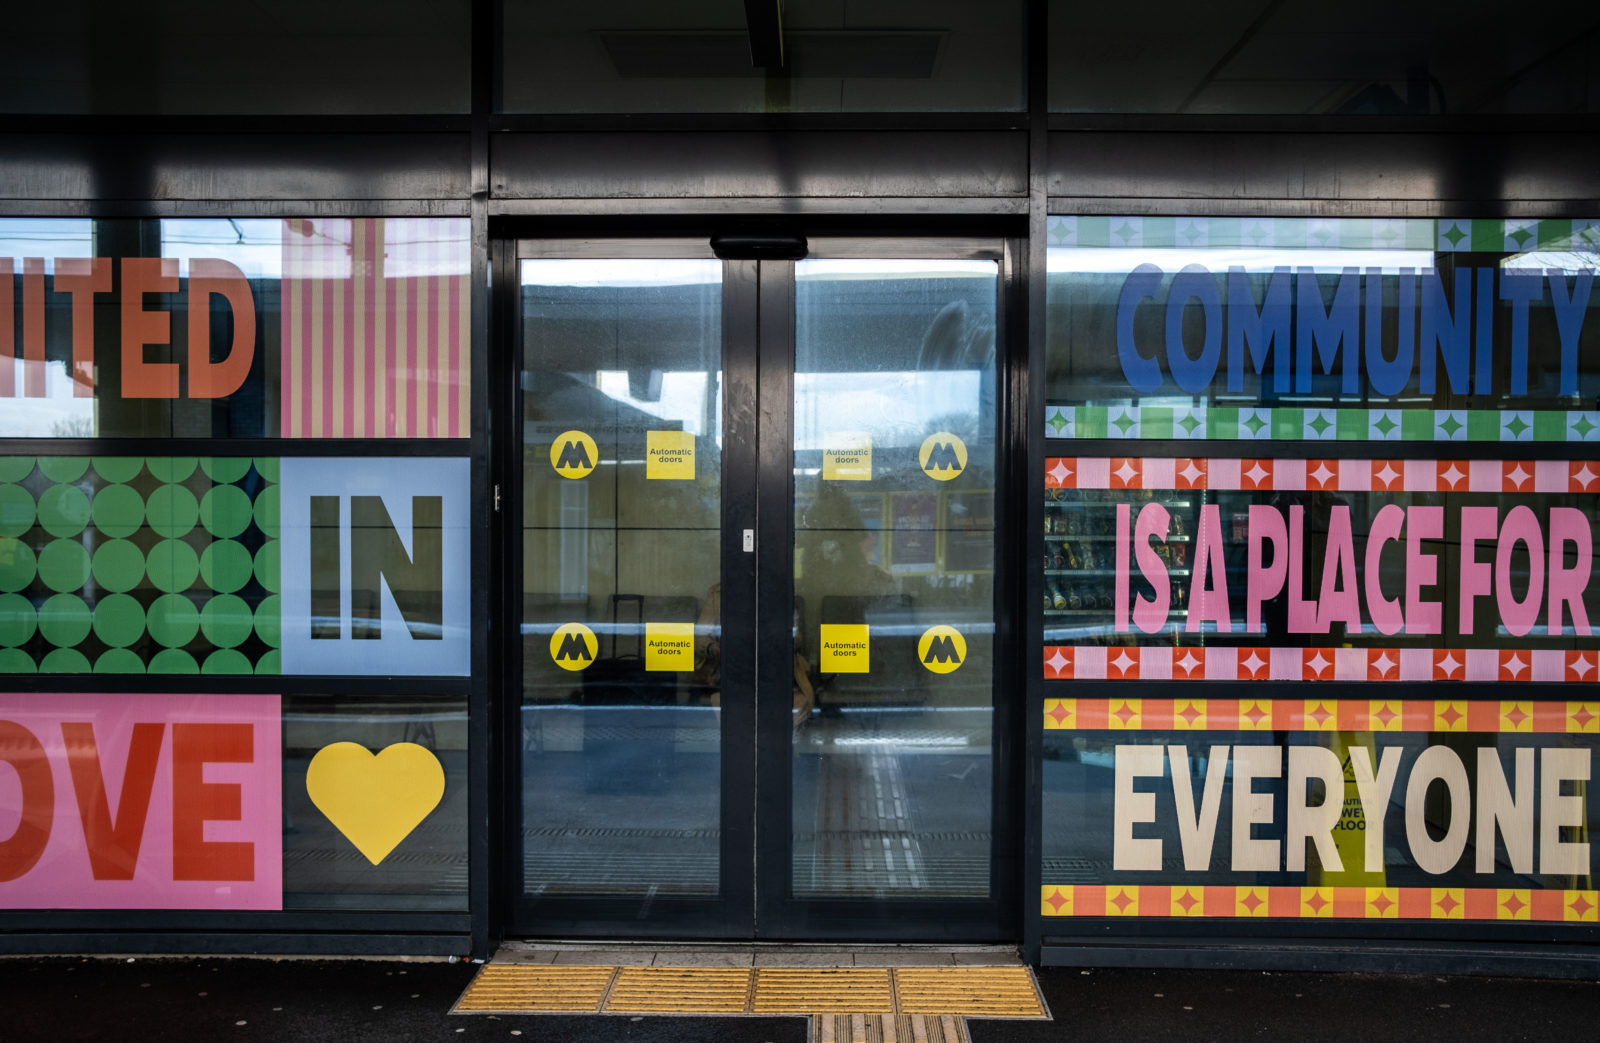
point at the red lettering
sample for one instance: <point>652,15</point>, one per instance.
<point>33,327</point>
<point>113,844</point>
<point>195,802</point>
<point>21,749</point>
<point>141,379</point>
<point>220,379</point>
<point>83,278</point>
<point>8,333</point>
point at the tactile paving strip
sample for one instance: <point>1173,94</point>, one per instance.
<point>513,989</point>
<point>976,992</point>
<point>797,990</point>
<point>680,990</point>
<point>890,1004</point>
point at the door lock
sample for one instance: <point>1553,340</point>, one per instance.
<point>749,541</point>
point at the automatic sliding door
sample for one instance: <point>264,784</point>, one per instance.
<point>621,731</point>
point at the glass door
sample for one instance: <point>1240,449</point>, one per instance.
<point>756,546</point>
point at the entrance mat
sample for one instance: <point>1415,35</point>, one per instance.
<point>856,1004</point>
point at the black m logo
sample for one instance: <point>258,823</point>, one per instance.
<point>573,455</point>
<point>573,647</point>
<point>941,650</point>
<point>942,457</point>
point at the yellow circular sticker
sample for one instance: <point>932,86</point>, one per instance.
<point>573,646</point>
<point>943,456</point>
<point>573,454</point>
<point>942,649</point>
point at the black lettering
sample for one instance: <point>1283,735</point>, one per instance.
<point>942,650</point>
<point>573,646</point>
<point>415,580</point>
<point>326,581</point>
<point>942,457</point>
<point>574,455</point>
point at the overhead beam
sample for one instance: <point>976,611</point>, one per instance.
<point>763,20</point>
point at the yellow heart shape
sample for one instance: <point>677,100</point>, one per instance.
<point>375,800</point>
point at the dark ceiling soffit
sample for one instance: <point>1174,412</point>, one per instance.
<point>1165,123</point>
<point>763,20</point>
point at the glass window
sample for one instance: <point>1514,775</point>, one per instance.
<point>301,328</point>
<point>621,589</point>
<point>344,756</point>
<point>1323,330</point>
<point>894,528</point>
<point>192,58</point>
<point>874,56</point>
<point>1371,57</point>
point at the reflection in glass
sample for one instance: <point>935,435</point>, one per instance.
<point>894,467</point>
<point>131,565</point>
<point>621,727</point>
<point>301,328</point>
<point>1321,329</point>
<point>427,870</point>
<point>1080,802</point>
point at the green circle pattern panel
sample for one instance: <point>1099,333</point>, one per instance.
<point>131,565</point>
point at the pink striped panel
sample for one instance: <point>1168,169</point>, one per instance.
<point>376,328</point>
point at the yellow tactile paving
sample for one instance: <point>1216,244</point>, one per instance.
<point>538,989</point>
<point>680,990</point>
<point>985,992</point>
<point>861,1004</point>
<point>804,990</point>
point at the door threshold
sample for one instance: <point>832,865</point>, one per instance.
<point>642,953</point>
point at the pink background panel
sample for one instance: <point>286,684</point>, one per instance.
<point>62,878</point>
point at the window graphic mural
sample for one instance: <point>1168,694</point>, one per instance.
<point>1286,526</point>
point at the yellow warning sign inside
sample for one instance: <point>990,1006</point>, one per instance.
<point>943,456</point>
<point>845,648</point>
<point>669,646</point>
<point>942,649</point>
<point>669,455</point>
<point>847,458</point>
<point>573,454</point>
<point>573,646</point>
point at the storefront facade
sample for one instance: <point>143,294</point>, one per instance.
<point>815,505</point>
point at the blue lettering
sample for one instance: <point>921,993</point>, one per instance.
<point>1484,384</point>
<point>1521,288</point>
<point>1390,377</point>
<point>1449,333</point>
<point>1323,332</point>
<point>1143,374</point>
<point>1194,374</point>
<point>1259,331</point>
<point>1569,321</point>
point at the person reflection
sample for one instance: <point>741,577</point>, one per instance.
<point>837,581</point>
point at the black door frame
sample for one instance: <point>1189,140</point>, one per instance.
<point>758,375</point>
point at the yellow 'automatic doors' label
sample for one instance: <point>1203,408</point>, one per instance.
<point>942,649</point>
<point>845,648</point>
<point>943,456</point>
<point>573,646</point>
<point>669,455</point>
<point>847,458</point>
<point>573,454</point>
<point>669,646</point>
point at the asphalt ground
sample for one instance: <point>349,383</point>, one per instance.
<point>244,1000</point>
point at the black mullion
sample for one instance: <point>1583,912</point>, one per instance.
<point>774,731</point>
<point>741,338</point>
